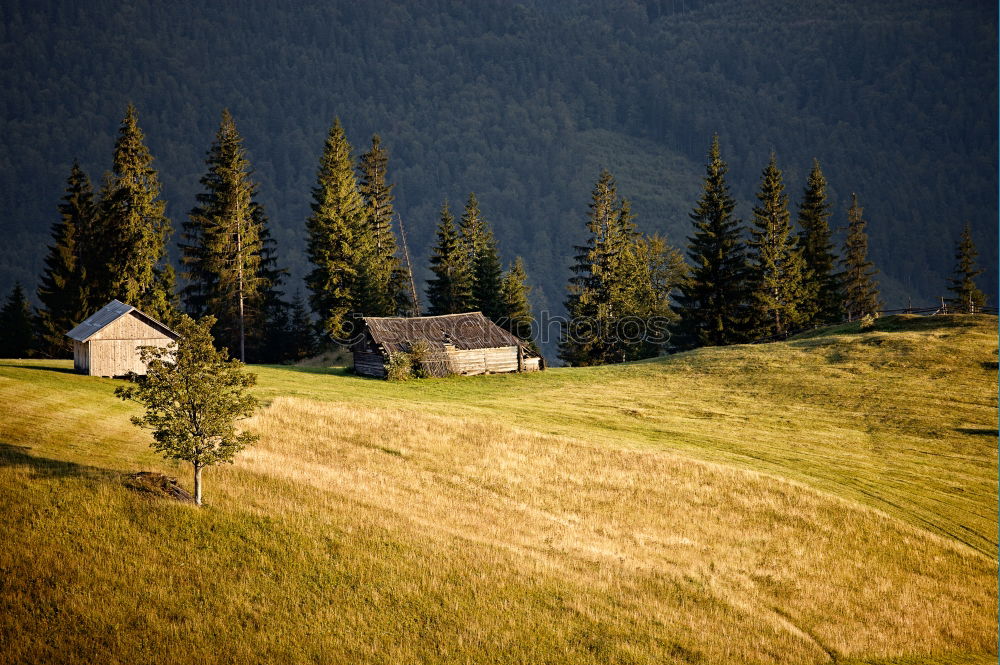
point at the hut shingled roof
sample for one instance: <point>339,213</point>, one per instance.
<point>470,330</point>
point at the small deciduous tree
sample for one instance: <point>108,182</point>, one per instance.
<point>193,394</point>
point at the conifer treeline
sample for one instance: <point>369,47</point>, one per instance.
<point>630,296</point>
<point>114,246</point>
<point>741,285</point>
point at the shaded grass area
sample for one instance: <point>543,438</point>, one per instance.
<point>665,511</point>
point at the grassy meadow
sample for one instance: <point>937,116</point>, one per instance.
<point>832,498</point>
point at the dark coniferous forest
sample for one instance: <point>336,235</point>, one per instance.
<point>523,104</point>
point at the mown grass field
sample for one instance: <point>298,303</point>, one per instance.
<point>827,499</point>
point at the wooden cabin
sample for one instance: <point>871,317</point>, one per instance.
<point>451,344</point>
<point>107,343</point>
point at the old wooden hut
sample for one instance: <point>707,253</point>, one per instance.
<point>107,343</point>
<point>449,344</point>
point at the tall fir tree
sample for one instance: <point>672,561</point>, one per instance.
<point>300,334</point>
<point>776,267</point>
<point>484,259</point>
<point>337,236</point>
<point>599,282</point>
<point>823,301</point>
<point>966,296</point>
<point>64,291</point>
<point>381,289</point>
<point>655,271</point>
<point>133,228</point>
<point>17,335</point>
<point>712,302</point>
<point>229,265</point>
<point>515,307</point>
<point>861,294</point>
<point>450,291</point>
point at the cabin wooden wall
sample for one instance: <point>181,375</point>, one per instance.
<point>81,357</point>
<point>129,326</point>
<point>483,361</point>
<point>114,350</point>
<point>369,364</point>
<point>116,357</point>
<point>452,361</point>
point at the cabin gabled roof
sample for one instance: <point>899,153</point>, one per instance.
<point>470,330</point>
<point>107,315</point>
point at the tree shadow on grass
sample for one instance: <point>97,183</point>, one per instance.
<point>980,431</point>
<point>45,467</point>
<point>43,368</point>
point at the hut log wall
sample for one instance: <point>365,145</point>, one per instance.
<point>483,361</point>
<point>114,350</point>
<point>369,364</point>
<point>116,357</point>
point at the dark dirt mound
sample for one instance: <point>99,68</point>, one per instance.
<point>157,484</point>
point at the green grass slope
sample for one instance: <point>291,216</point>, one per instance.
<point>830,498</point>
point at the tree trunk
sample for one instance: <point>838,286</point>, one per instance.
<point>197,484</point>
<point>239,253</point>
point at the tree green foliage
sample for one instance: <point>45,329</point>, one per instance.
<point>193,395</point>
<point>450,291</point>
<point>336,235</point>
<point>484,260</point>
<point>381,280</point>
<point>713,301</point>
<point>861,295</point>
<point>822,300</point>
<point>776,266</point>
<point>224,249</point>
<point>618,301</point>
<point>17,334</point>
<point>300,335</point>
<point>64,288</point>
<point>515,308</point>
<point>966,296</point>
<point>132,227</point>
<point>656,270</point>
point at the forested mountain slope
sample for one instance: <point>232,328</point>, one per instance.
<point>523,104</point>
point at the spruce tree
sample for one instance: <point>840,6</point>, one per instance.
<point>380,276</point>
<point>967,296</point>
<point>713,302</point>
<point>450,291</point>
<point>484,259</point>
<point>336,245</point>
<point>300,336</point>
<point>600,281</point>
<point>224,244</point>
<point>63,291</point>
<point>776,267</point>
<point>823,302</point>
<point>654,272</point>
<point>861,295</point>
<point>132,225</point>
<point>514,305</point>
<point>17,335</point>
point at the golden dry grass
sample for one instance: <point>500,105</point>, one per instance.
<point>831,498</point>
